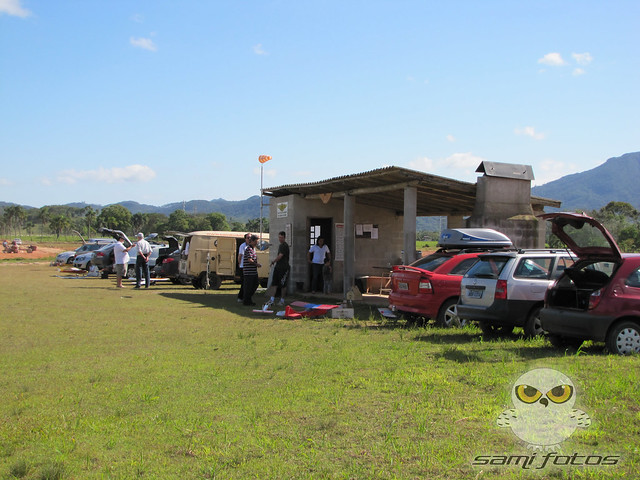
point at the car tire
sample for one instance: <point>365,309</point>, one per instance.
<point>70,260</point>
<point>448,316</point>
<point>131,271</point>
<point>533,326</point>
<point>214,281</point>
<point>624,338</point>
<point>495,330</point>
<point>87,266</point>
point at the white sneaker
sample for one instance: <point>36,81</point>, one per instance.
<point>266,306</point>
<point>281,302</point>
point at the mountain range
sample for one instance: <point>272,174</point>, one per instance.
<point>614,180</point>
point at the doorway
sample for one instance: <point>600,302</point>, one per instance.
<point>319,227</point>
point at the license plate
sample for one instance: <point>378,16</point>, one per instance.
<point>403,286</point>
<point>474,293</point>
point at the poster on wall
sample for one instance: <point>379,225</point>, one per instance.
<point>283,209</point>
<point>338,250</point>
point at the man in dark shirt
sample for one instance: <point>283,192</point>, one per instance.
<point>280,266</point>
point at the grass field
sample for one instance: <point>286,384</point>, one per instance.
<point>178,383</point>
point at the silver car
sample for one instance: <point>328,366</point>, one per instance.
<point>506,290</point>
<point>92,245</point>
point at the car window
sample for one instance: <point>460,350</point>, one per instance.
<point>463,266</point>
<point>633,280</point>
<point>535,268</point>
<point>562,264</point>
<point>488,267</point>
<point>431,262</point>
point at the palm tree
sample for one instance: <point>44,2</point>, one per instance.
<point>44,214</point>
<point>14,216</point>
<point>90,216</point>
<point>59,223</point>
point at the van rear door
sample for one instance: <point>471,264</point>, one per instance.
<point>226,256</point>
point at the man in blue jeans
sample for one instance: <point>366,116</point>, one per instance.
<point>142,261</point>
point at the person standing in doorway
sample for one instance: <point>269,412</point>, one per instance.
<point>250,271</point>
<point>121,255</point>
<point>241,250</point>
<point>142,261</point>
<point>316,257</point>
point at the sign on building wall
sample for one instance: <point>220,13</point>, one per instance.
<point>282,209</point>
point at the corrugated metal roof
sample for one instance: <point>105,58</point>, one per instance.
<point>506,170</point>
<point>384,188</point>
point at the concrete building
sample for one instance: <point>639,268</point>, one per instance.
<point>368,219</point>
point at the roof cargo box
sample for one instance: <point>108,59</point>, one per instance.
<point>473,238</point>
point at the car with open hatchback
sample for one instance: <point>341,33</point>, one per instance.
<point>598,298</point>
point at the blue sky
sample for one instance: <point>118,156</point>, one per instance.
<point>163,101</point>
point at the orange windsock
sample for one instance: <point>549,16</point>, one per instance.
<point>264,158</point>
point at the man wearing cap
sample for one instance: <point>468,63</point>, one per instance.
<point>142,261</point>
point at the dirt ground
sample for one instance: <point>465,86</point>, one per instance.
<point>42,251</point>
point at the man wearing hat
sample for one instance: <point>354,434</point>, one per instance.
<point>142,261</point>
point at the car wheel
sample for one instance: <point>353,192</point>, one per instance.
<point>448,314</point>
<point>70,260</point>
<point>131,271</point>
<point>624,338</point>
<point>87,266</point>
<point>533,326</point>
<point>214,281</point>
<point>491,329</point>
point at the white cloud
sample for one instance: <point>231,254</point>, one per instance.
<point>5,183</point>
<point>459,165</point>
<point>529,132</point>
<point>14,8</point>
<point>423,164</point>
<point>258,50</point>
<point>138,18</point>
<point>578,71</point>
<point>451,138</point>
<point>131,173</point>
<point>548,170</point>
<point>582,58</point>
<point>144,43</point>
<point>552,59</point>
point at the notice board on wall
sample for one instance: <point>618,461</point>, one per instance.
<point>367,230</point>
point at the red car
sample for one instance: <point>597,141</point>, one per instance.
<point>598,298</point>
<point>429,288</point>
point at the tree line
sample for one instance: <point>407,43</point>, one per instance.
<point>64,220</point>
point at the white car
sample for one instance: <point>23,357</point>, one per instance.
<point>506,289</point>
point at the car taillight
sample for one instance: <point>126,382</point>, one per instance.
<point>168,260</point>
<point>425,286</point>
<point>594,299</point>
<point>99,254</point>
<point>501,290</point>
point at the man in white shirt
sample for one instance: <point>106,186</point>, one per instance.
<point>142,261</point>
<point>316,256</point>
<point>121,254</point>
